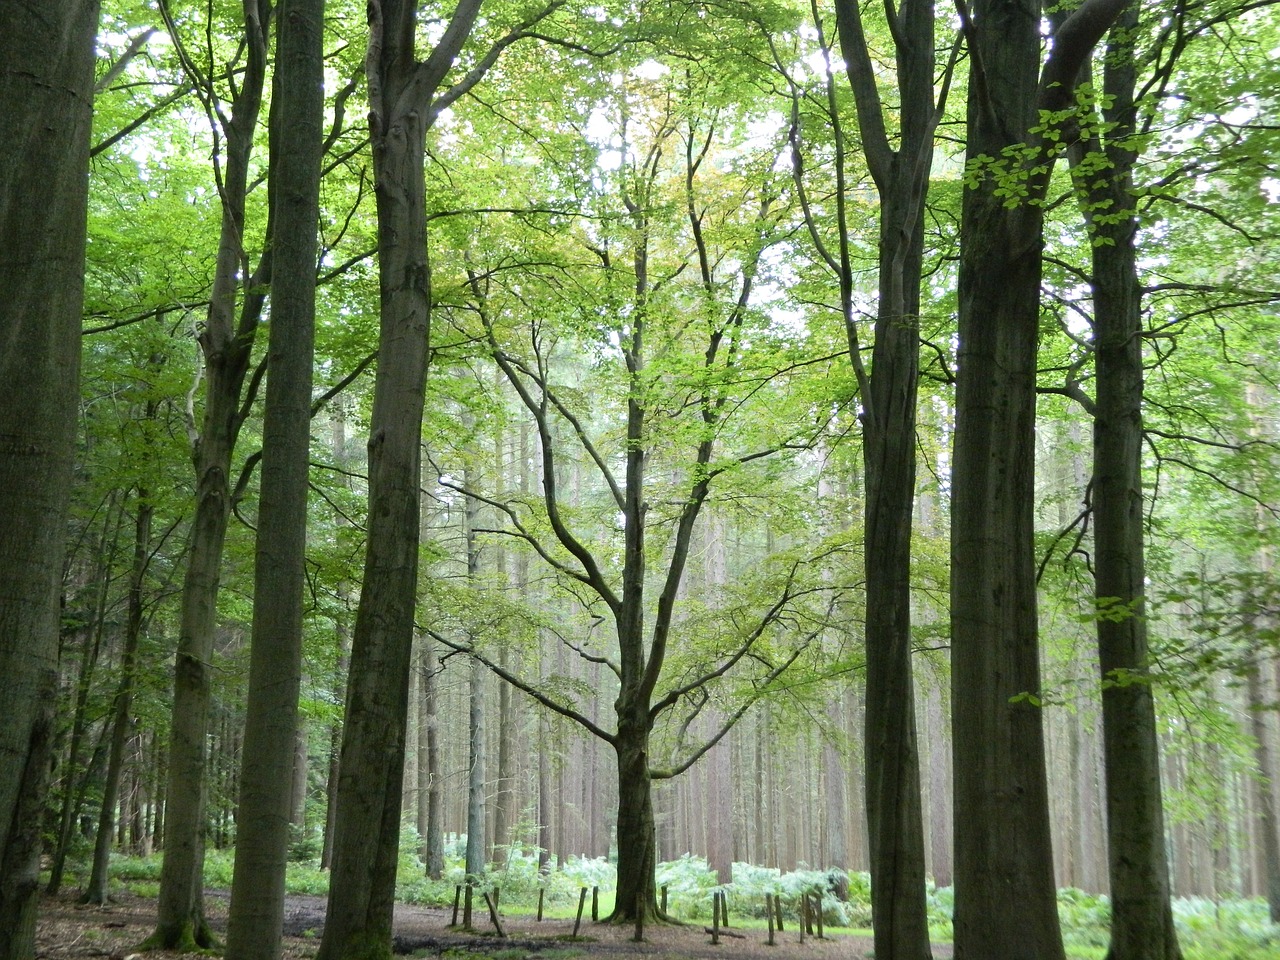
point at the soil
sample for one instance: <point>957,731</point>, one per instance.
<point>68,929</point>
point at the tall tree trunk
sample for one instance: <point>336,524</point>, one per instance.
<point>1141,912</point>
<point>894,815</point>
<point>637,849</point>
<point>226,347</point>
<point>271,722</point>
<point>434,836</point>
<point>76,776</point>
<point>476,780</point>
<point>1005,900</point>
<point>371,768</point>
<point>476,847</point>
<point>96,891</point>
<point>46,102</point>
<point>505,797</point>
<point>1264,785</point>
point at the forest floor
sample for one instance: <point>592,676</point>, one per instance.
<point>69,930</point>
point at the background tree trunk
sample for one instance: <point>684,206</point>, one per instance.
<point>96,891</point>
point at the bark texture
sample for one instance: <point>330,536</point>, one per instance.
<point>1141,914</point>
<point>371,768</point>
<point>894,815</point>
<point>1005,899</point>
<point>269,757</point>
<point>226,344</point>
<point>46,103</point>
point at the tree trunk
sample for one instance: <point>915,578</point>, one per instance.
<point>226,348</point>
<point>367,828</point>
<point>1142,917</point>
<point>636,839</point>
<point>894,815</point>
<point>1005,900</point>
<point>46,102</point>
<point>434,836</point>
<point>271,722</point>
<point>76,775</point>
<point>1006,904</point>
<point>476,800</point>
<point>96,891</point>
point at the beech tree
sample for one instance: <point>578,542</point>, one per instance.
<point>271,711</point>
<point>226,344</point>
<point>663,427</point>
<point>406,96</point>
<point>888,391</point>
<point>1006,901</point>
<point>46,103</point>
<point>1142,915</point>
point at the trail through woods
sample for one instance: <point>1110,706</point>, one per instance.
<point>68,929</point>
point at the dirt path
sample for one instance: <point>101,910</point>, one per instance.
<point>70,931</point>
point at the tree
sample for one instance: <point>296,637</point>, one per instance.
<point>263,815</point>
<point>46,103</point>
<point>1006,902</point>
<point>640,392</point>
<point>406,96</point>
<point>889,397</point>
<point>226,344</point>
<point>1141,915</point>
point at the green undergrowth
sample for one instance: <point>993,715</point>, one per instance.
<point>1208,930</point>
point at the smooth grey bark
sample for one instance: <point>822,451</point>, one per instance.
<point>895,826</point>
<point>226,343</point>
<point>1005,898</point>
<point>268,757</point>
<point>46,104</point>
<point>402,106</point>
<point>1141,913</point>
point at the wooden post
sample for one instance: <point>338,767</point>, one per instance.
<point>817,909</point>
<point>466,907</point>
<point>457,896</point>
<point>595,904</point>
<point>777,911</point>
<point>496,891</point>
<point>640,918</point>
<point>664,899</point>
<point>724,909</point>
<point>492,903</point>
<point>582,902</point>
<point>542,892</point>
<point>768,912</point>
<point>804,915</point>
<point>715,917</point>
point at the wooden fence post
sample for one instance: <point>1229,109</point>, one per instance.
<point>582,902</point>
<point>492,903</point>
